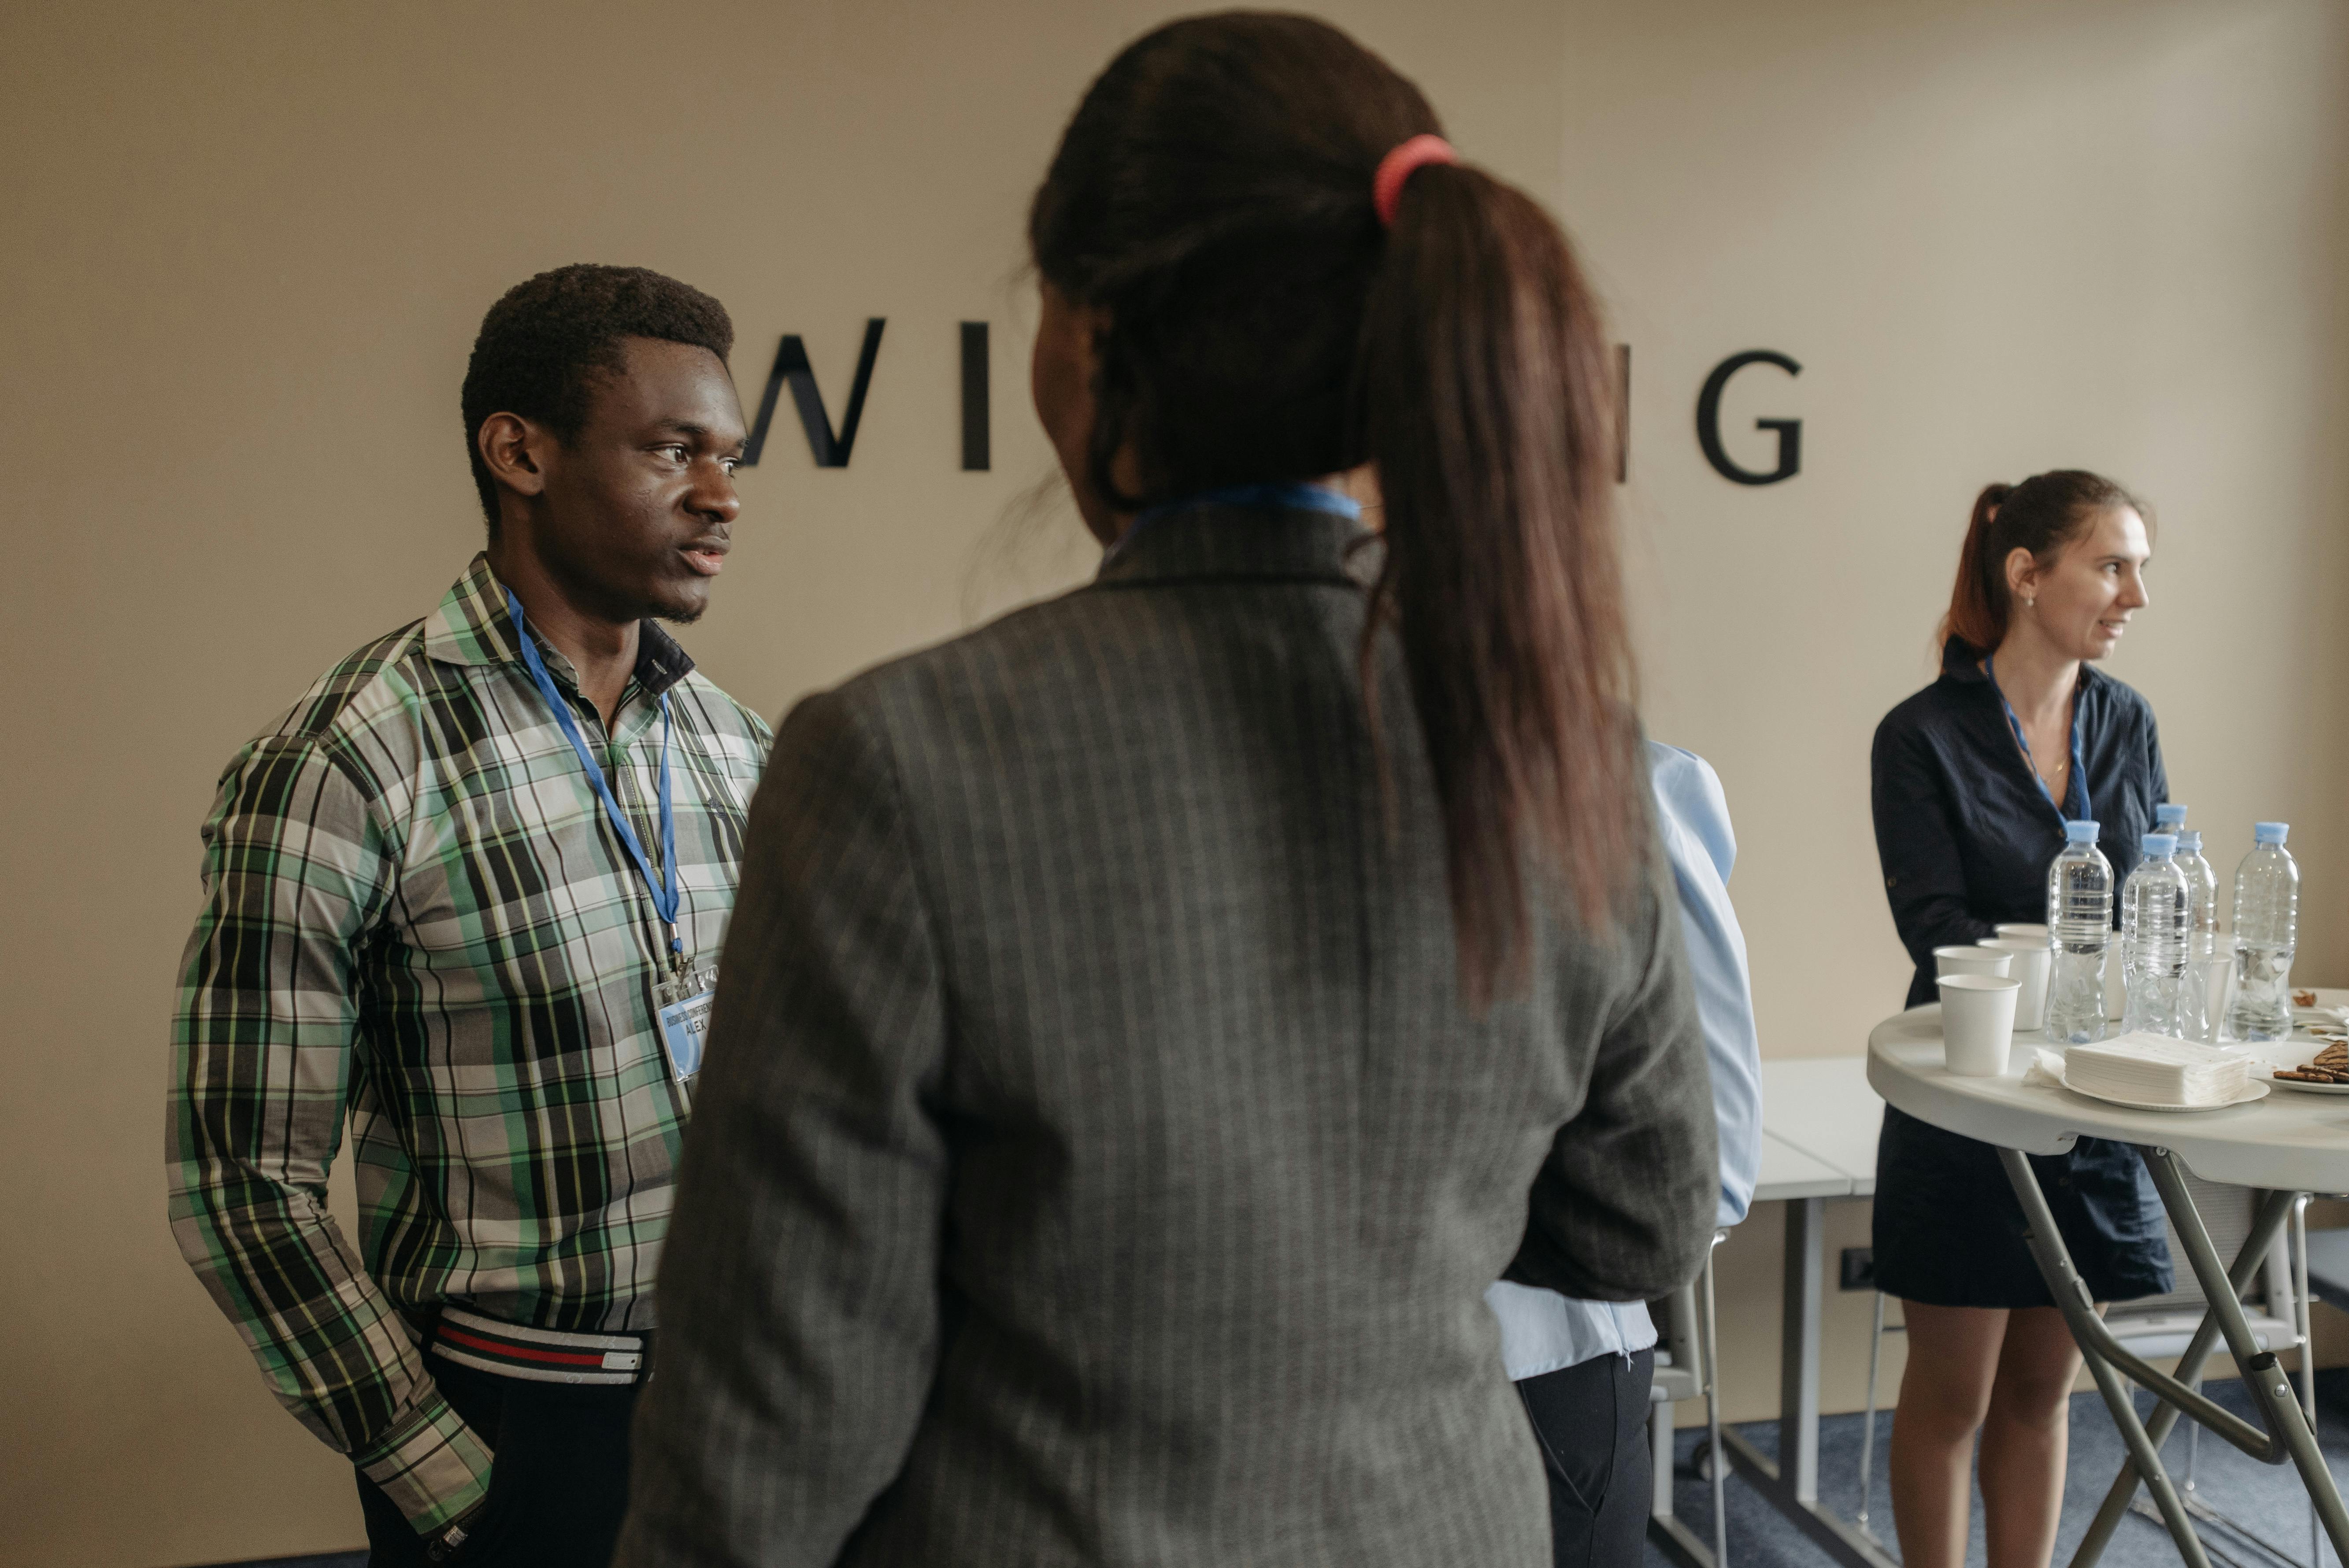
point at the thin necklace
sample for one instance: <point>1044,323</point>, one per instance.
<point>2063,762</point>
<point>2053,787</point>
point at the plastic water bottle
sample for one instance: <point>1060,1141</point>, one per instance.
<point>2080,922</point>
<point>2167,818</point>
<point>2267,916</point>
<point>2156,919</point>
<point>2201,1018</point>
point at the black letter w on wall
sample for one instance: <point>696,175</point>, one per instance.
<point>829,450</point>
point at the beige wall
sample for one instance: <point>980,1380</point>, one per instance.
<point>1999,238</point>
<point>247,244</point>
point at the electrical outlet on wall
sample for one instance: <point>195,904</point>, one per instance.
<point>1858,1270</point>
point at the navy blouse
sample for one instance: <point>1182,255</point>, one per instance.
<point>1964,831</point>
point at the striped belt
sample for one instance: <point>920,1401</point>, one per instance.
<point>540,1355</point>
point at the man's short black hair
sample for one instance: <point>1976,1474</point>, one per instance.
<point>542,345</point>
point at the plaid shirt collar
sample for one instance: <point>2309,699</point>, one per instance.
<point>472,626</point>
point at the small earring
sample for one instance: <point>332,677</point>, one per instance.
<point>2028,601</point>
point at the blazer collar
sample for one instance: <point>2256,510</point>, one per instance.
<point>1961,660</point>
<point>1216,541</point>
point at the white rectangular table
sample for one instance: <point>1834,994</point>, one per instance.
<point>1822,1106</point>
<point>1789,1173</point>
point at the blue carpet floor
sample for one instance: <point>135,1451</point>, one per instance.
<point>2266,1500</point>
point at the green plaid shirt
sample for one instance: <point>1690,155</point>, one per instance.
<point>417,915</point>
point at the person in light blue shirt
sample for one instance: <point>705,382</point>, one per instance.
<point>1582,1368</point>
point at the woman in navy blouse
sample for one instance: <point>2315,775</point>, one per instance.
<point>1973,779</point>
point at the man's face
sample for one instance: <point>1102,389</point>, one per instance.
<point>638,512</point>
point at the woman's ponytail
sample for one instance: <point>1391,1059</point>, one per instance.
<point>1284,295</point>
<point>1976,615</point>
<point>1487,402</point>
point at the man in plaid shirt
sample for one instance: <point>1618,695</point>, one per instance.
<point>481,933</point>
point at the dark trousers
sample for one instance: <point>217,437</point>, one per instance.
<point>558,1485</point>
<point>1592,1422</point>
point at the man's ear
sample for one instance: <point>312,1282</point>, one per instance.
<point>515,449</point>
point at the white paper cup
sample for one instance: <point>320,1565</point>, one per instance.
<point>2021,929</point>
<point>1971,960</point>
<point>2115,979</point>
<point>2033,962</point>
<point>1978,1023</point>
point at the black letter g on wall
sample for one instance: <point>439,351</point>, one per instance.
<point>1708,421</point>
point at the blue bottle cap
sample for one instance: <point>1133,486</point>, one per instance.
<point>2270,832</point>
<point>2159,845</point>
<point>2080,830</point>
<point>2190,841</point>
<point>2169,815</point>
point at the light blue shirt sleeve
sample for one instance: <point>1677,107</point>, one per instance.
<point>1692,815</point>
<point>1542,1330</point>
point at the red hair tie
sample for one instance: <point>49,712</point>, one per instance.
<point>1386,185</point>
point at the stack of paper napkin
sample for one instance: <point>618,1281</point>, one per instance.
<point>2157,1070</point>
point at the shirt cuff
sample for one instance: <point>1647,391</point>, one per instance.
<point>432,1466</point>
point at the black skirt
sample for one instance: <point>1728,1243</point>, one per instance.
<point>1948,1231</point>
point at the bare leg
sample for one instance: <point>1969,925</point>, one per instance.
<point>2026,1435</point>
<point>1945,1393</point>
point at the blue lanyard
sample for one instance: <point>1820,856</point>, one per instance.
<point>2079,768</point>
<point>1296,497</point>
<point>664,888</point>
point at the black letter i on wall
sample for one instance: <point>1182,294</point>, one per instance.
<point>975,427</point>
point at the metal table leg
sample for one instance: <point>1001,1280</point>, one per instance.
<point>2201,1507</point>
<point>2264,1225</point>
<point>2286,1433</point>
<point>2304,1338</point>
<point>1792,1484</point>
<point>2262,1374</point>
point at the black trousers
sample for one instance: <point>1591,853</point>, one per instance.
<point>558,1486</point>
<point>1592,1422</point>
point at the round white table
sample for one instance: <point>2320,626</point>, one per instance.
<point>2289,1144</point>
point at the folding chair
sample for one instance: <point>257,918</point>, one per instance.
<point>1685,1364</point>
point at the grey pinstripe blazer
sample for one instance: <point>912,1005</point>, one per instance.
<point>1093,1164</point>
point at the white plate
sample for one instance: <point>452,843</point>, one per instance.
<point>2257,1089</point>
<point>2304,1088</point>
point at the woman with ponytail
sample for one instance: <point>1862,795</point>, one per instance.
<point>1151,1022</point>
<point>1974,779</point>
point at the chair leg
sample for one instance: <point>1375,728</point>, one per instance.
<point>1868,1422</point>
<point>1707,1352</point>
<point>1659,1451</point>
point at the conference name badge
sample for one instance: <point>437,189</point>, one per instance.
<point>685,1000</point>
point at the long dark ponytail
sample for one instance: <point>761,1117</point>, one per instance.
<point>1212,197</point>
